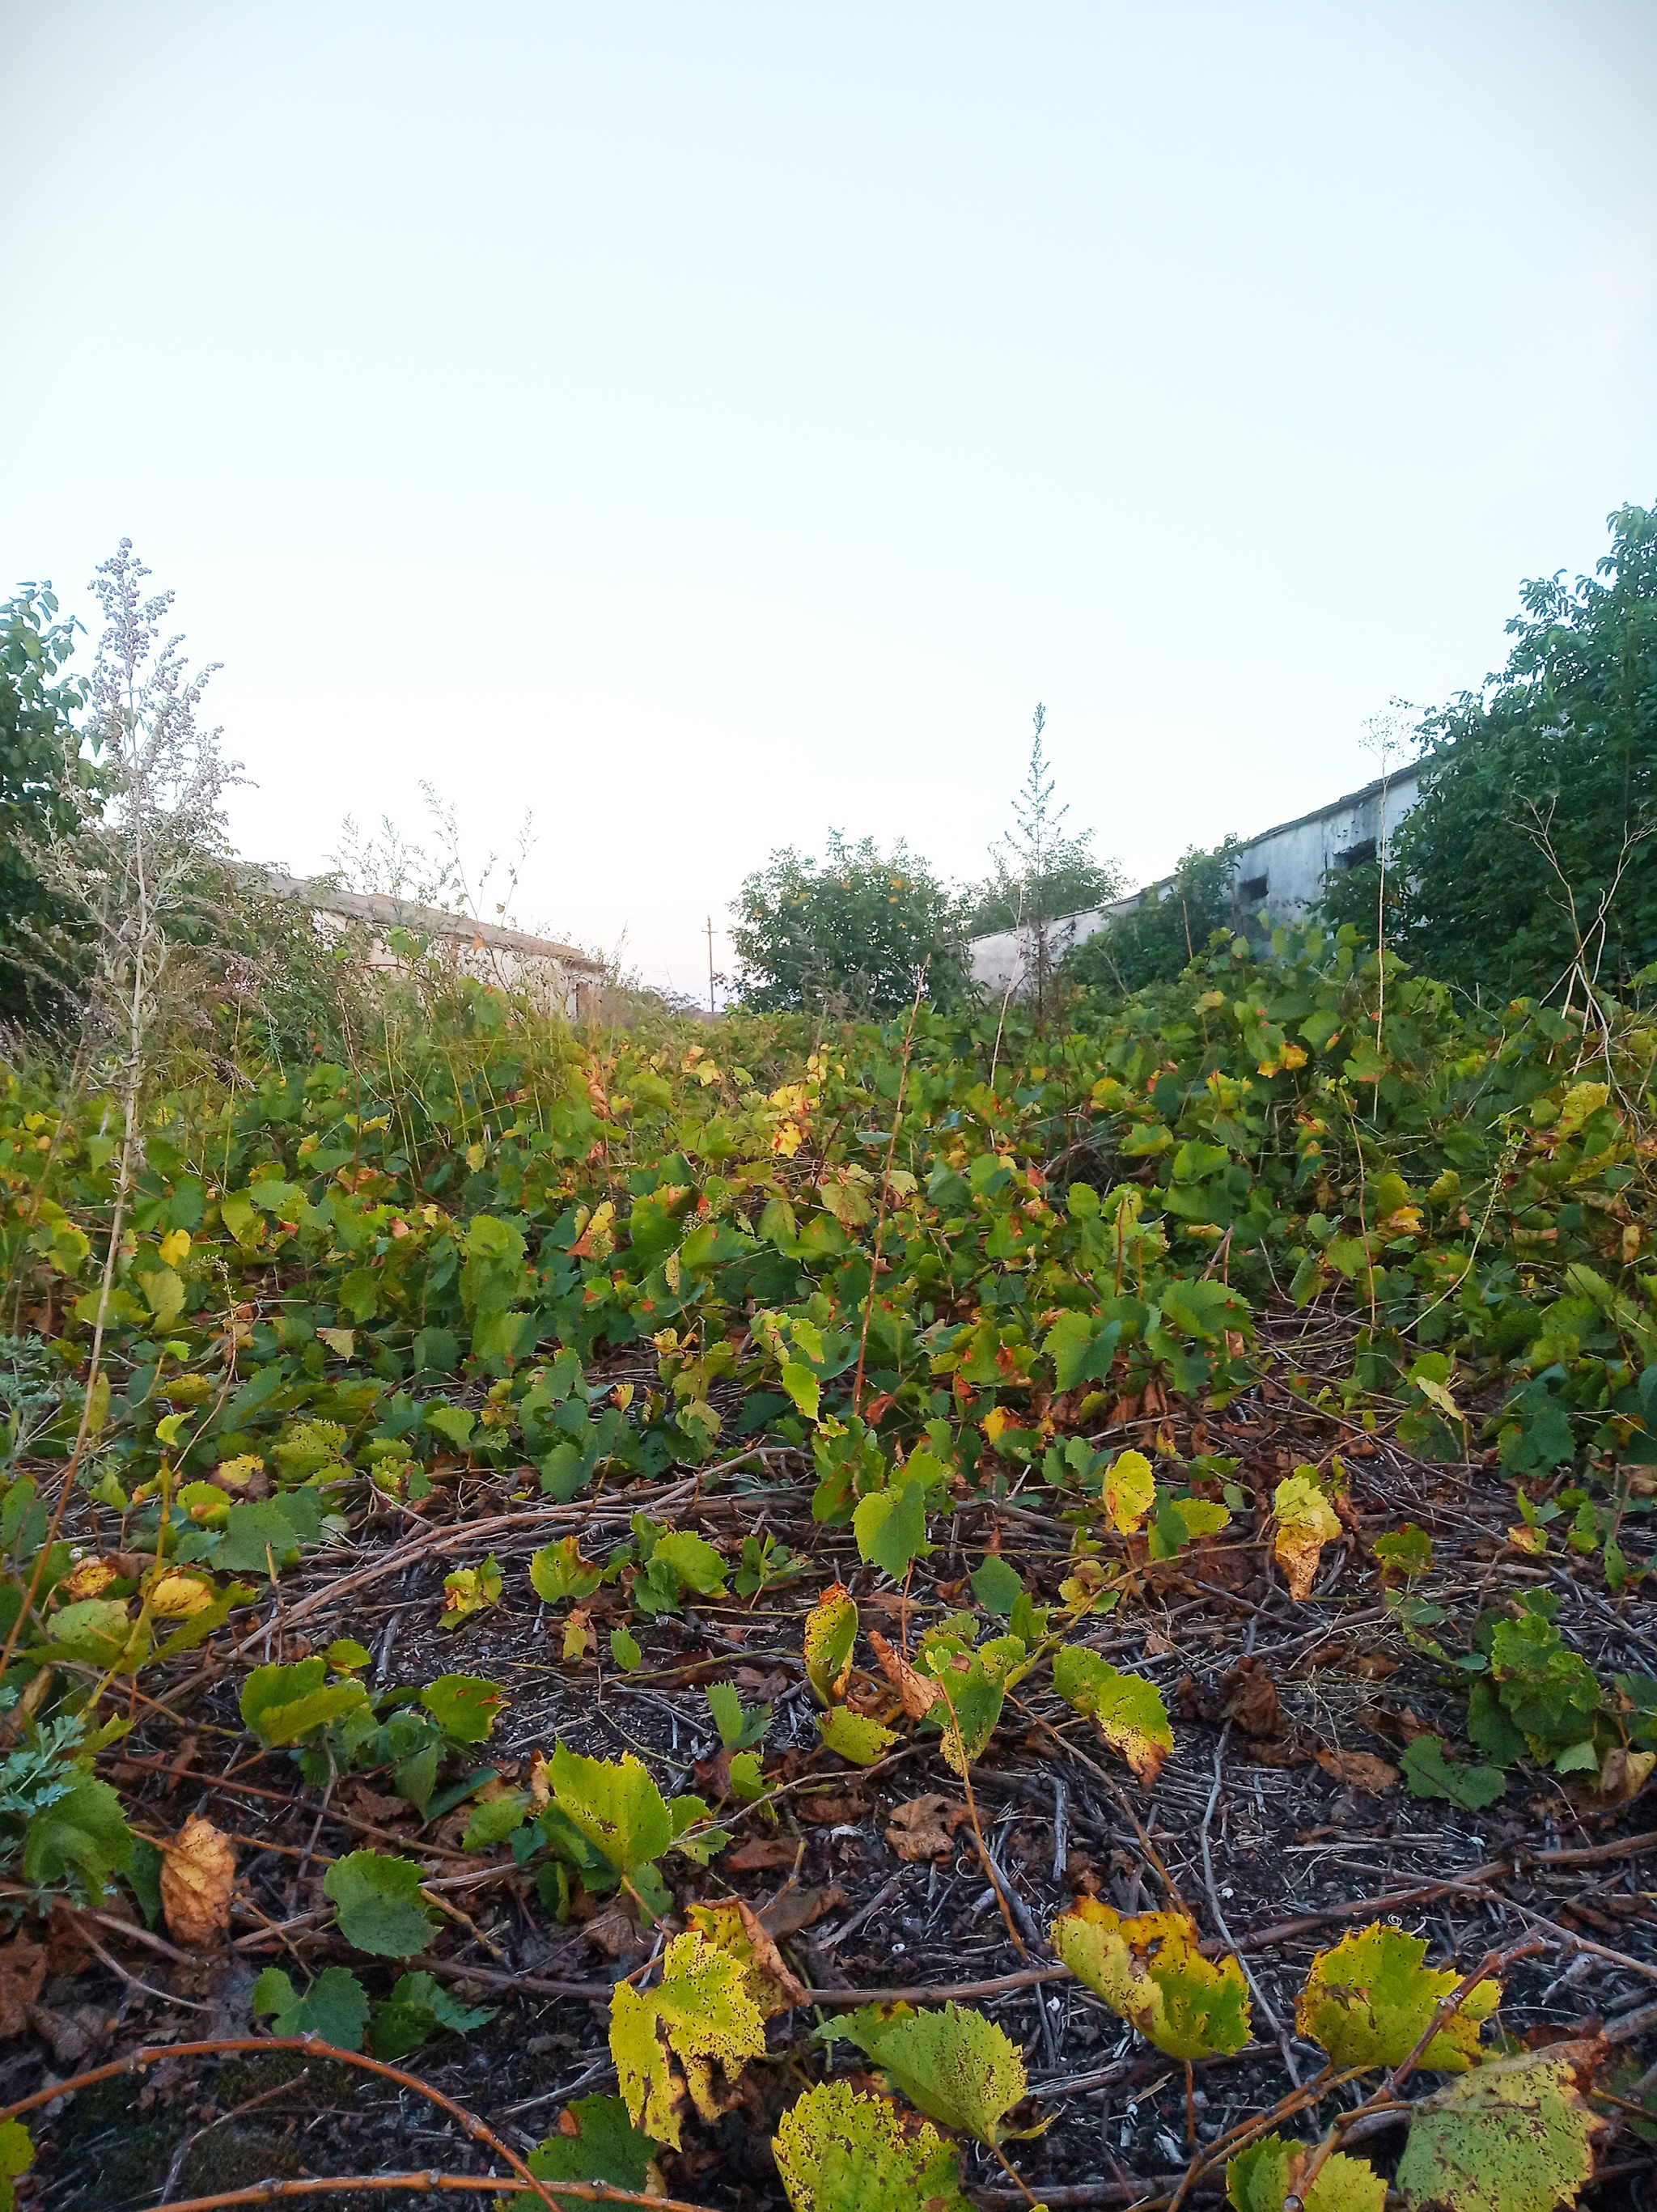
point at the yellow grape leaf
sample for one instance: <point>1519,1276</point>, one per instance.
<point>1368,2002</point>
<point>469,1590</point>
<point>1127,1710</point>
<point>855,1735</point>
<point>730,1925</point>
<point>955,2065</point>
<point>700,2011</point>
<point>1513,2135</point>
<point>1305,1522</point>
<point>1258,2180</point>
<point>1148,1969</point>
<point>1130,1491</point>
<point>578,1633</point>
<point>831,1630</point>
<point>840,2149</point>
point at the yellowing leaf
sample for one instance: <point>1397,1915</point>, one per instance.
<point>1369,2000</point>
<point>1513,2135</point>
<point>1305,1522</point>
<point>617,1807</point>
<point>469,1590</point>
<point>578,1634</point>
<point>1127,1710</point>
<point>174,1247</point>
<point>840,2149</point>
<point>1258,2180</point>
<point>176,1597</point>
<point>955,2065</point>
<point>831,1630</point>
<point>732,1925</point>
<point>1149,1970</point>
<point>1129,1489</point>
<point>699,2013</point>
<point>855,1735</point>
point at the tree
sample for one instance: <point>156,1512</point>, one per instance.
<point>1527,865</point>
<point>1160,937</point>
<point>1039,874</point>
<point>852,934</point>
<point>42,778</point>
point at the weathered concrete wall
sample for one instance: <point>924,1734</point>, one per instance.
<point>1280,873</point>
<point>561,974</point>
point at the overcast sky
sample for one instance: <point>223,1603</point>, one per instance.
<point>704,425</point>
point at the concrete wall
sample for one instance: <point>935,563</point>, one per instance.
<point>1279,872</point>
<point>562,975</point>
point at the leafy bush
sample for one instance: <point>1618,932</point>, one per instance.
<point>850,934</point>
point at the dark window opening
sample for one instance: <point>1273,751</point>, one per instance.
<point>1253,887</point>
<point>1356,856</point>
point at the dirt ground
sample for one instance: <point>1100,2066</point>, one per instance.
<point>1280,1821</point>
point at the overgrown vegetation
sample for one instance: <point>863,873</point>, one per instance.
<point>477,1495</point>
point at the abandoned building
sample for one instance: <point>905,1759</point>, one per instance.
<point>1278,873</point>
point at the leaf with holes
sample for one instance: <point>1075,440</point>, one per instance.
<point>1513,2135</point>
<point>831,1630</point>
<point>558,1570</point>
<point>1368,2002</point>
<point>1148,1969</point>
<point>699,2013</point>
<point>1127,1710</point>
<point>955,2065</point>
<point>840,2149</point>
<point>732,1925</point>
<point>377,1900</point>
<point>614,1804</point>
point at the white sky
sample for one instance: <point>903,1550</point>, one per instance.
<point>704,425</point>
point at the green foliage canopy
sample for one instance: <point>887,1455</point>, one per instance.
<point>41,772</point>
<point>850,933</point>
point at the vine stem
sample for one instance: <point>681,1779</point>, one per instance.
<point>886,1185</point>
<point>274,2192</point>
<point>314,2046</point>
<point>978,1833</point>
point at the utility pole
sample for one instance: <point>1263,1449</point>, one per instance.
<point>712,1008</point>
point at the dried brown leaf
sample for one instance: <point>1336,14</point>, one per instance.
<point>924,1828</point>
<point>197,1875</point>
<point>1360,1770</point>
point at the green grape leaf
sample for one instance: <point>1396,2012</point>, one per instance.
<point>624,1651</point>
<point>335,2007</point>
<point>693,1560</point>
<point>725,1706</point>
<point>614,1804</point>
<point>955,2065</point>
<point>377,1900</point>
<point>1368,2002</point>
<point>855,1735</point>
<point>494,1820</point>
<point>890,1526</point>
<point>996,1585</point>
<point>1081,1349</point>
<point>973,1684</point>
<point>1513,2135</point>
<point>1408,1551</point>
<point>418,2006</point>
<point>605,2147</point>
<point>840,2149</point>
<point>82,1832</point>
<point>700,2013</point>
<point>1149,1970</point>
<point>831,1630</point>
<point>260,1533</point>
<point>1126,1709</point>
<point>1430,1774</point>
<point>464,1706</point>
<point>282,1704</point>
<point>1258,2180</point>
